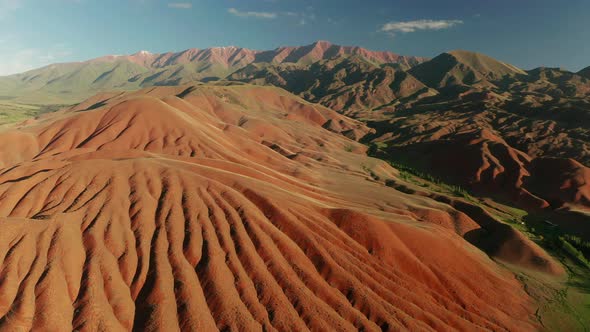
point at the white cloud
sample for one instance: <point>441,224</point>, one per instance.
<point>180,5</point>
<point>306,17</point>
<point>301,17</point>
<point>262,15</point>
<point>413,26</point>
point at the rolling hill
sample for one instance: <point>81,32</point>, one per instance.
<point>239,207</point>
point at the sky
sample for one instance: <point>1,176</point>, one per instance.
<point>526,33</point>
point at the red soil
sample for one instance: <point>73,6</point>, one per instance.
<point>480,159</point>
<point>210,207</point>
<point>561,181</point>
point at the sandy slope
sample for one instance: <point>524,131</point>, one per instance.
<point>232,208</point>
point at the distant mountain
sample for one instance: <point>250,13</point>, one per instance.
<point>494,118</point>
<point>72,82</point>
<point>323,50</point>
<point>232,56</point>
<point>413,105</point>
<point>349,85</point>
<point>491,133</point>
<point>458,68</point>
<point>548,83</point>
<point>585,72</point>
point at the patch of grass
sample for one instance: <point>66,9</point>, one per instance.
<point>574,252</point>
<point>11,112</point>
<point>557,241</point>
<point>577,241</point>
<point>381,145</point>
<point>563,305</point>
<point>349,147</point>
<point>411,174</point>
<point>407,173</point>
<point>14,112</point>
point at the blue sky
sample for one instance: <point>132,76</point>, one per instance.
<point>526,33</point>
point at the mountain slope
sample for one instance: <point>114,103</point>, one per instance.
<point>349,85</point>
<point>233,207</point>
<point>238,57</point>
<point>458,68</point>
<point>323,50</point>
<point>73,82</point>
<point>585,72</point>
<point>494,117</point>
<point>541,112</point>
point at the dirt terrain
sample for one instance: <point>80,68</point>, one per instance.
<point>462,116</point>
<point>208,207</point>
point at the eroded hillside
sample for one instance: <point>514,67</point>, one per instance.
<point>243,208</point>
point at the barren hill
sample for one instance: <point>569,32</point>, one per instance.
<point>463,68</point>
<point>243,208</point>
<point>494,117</point>
<point>350,85</point>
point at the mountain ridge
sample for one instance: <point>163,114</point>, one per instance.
<point>284,54</point>
<point>460,67</point>
<point>297,191</point>
<point>75,81</point>
<point>585,72</point>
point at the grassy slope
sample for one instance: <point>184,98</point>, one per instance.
<point>68,83</point>
<point>74,82</point>
<point>13,112</point>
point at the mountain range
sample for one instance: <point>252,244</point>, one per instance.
<point>411,103</point>
<point>71,82</point>
<point>318,187</point>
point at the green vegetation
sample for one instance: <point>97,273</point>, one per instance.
<point>380,145</point>
<point>573,251</point>
<point>410,174</point>
<point>557,241</point>
<point>564,305</point>
<point>11,112</point>
<point>577,241</point>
